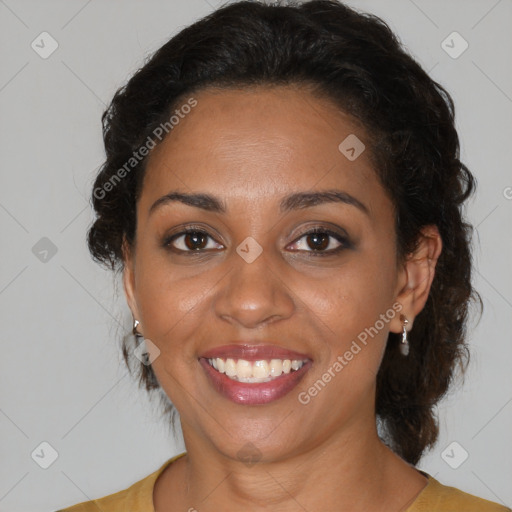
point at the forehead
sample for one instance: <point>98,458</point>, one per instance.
<point>258,143</point>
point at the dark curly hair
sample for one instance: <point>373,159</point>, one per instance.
<point>355,61</point>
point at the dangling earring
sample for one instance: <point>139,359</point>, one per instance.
<point>404,343</point>
<point>135,332</point>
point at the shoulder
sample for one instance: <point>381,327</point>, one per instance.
<point>139,496</point>
<point>442,498</point>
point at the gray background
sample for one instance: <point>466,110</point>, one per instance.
<point>62,379</point>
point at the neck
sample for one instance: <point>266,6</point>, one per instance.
<point>351,471</point>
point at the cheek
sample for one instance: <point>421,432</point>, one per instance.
<point>170,306</point>
<point>352,298</point>
<point>347,309</point>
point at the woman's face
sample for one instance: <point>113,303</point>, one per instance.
<point>252,282</point>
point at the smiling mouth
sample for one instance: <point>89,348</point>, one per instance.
<point>241,370</point>
<point>254,374</point>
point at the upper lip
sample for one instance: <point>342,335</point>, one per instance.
<point>250,352</point>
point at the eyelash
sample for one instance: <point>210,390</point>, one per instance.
<point>343,240</point>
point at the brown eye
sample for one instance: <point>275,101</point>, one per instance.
<point>320,242</point>
<point>195,240</point>
<point>191,240</point>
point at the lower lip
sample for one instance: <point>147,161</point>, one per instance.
<point>257,393</point>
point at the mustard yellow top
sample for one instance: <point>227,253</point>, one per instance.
<point>435,497</point>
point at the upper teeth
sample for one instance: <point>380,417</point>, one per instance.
<point>255,371</point>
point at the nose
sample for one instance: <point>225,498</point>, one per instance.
<point>254,294</point>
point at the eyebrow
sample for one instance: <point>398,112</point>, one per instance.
<point>296,201</point>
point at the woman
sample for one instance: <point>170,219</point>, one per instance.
<point>283,195</point>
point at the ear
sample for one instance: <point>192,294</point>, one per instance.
<point>129,279</point>
<point>416,276</point>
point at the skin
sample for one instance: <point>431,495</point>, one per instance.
<point>250,148</point>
